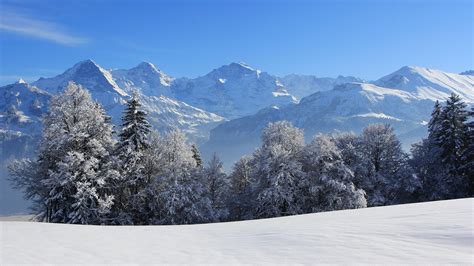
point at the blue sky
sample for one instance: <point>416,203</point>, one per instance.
<point>367,39</point>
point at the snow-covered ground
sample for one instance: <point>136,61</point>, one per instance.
<point>425,233</point>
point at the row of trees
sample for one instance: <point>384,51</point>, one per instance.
<point>83,174</point>
<point>444,161</point>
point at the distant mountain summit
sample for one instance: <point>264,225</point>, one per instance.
<point>425,83</point>
<point>113,88</point>
<point>233,91</point>
<point>145,78</point>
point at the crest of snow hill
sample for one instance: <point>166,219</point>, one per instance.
<point>226,109</point>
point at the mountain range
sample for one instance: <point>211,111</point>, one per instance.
<point>225,110</point>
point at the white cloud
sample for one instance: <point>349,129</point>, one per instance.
<point>21,24</point>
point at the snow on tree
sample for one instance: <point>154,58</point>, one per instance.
<point>196,155</point>
<point>180,190</point>
<point>216,184</point>
<point>452,137</point>
<point>468,155</point>
<point>386,169</point>
<point>130,153</point>
<point>329,183</point>
<point>240,191</point>
<point>76,143</point>
<point>278,173</point>
<point>426,159</point>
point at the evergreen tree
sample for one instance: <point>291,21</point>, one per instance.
<point>452,137</point>
<point>468,155</point>
<point>130,154</point>
<point>426,159</point>
<point>196,155</point>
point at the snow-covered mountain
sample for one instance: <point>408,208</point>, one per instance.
<point>145,78</point>
<point>112,89</point>
<point>304,85</point>
<point>404,99</point>
<point>21,107</point>
<point>425,83</point>
<point>233,91</point>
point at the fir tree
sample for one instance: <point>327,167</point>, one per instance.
<point>452,137</point>
<point>196,155</point>
<point>130,154</point>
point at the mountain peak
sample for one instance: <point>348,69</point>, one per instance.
<point>147,66</point>
<point>21,81</point>
<point>234,70</point>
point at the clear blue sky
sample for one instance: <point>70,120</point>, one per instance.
<point>189,38</point>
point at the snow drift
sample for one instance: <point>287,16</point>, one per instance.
<point>423,233</point>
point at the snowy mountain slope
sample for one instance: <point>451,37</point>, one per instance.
<point>424,233</point>
<point>145,78</point>
<point>232,91</point>
<point>431,84</point>
<point>348,107</point>
<point>304,85</point>
<point>90,75</point>
<point>21,109</point>
<point>164,113</point>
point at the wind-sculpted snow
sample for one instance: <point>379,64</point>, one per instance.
<point>425,233</point>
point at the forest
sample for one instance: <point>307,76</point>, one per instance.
<point>88,172</point>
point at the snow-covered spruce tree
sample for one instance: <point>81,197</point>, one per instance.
<point>181,194</point>
<point>196,155</point>
<point>329,183</point>
<point>426,160</point>
<point>67,181</point>
<point>133,142</point>
<point>240,191</point>
<point>278,172</point>
<point>389,178</point>
<point>452,138</point>
<point>216,184</point>
<point>468,155</point>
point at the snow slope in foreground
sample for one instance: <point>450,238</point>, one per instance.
<point>425,233</point>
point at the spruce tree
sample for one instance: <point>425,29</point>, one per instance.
<point>196,155</point>
<point>130,152</point>
<point>452,139</point>
<point>468,156</point>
